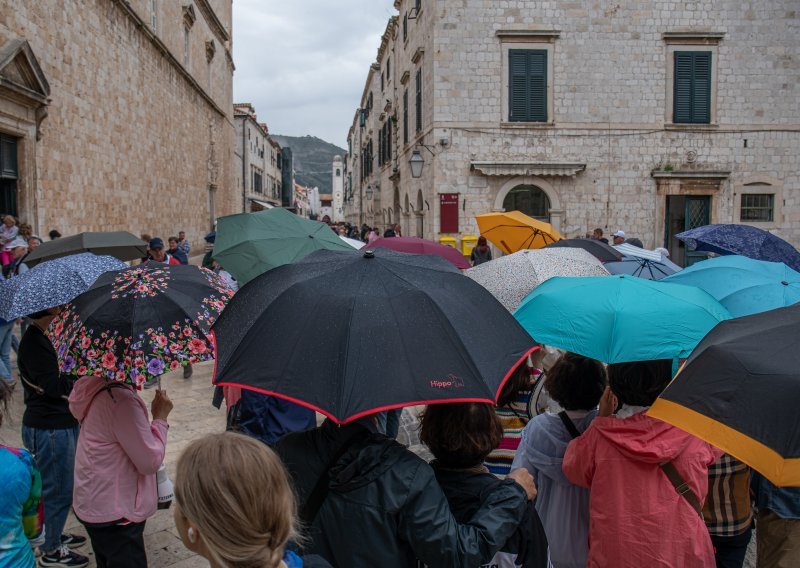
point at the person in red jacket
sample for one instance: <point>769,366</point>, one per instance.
<point>633,465</point>
<point>156,252</point>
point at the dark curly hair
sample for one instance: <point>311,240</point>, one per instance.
<point>576,382</point>
<point>639,383</point>
<point>460,435</point>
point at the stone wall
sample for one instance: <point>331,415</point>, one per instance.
<point>132,141</point>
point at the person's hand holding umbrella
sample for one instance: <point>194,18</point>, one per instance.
<point>161,405</point>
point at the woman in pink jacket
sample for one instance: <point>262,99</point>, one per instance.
<point>636,515</point>
<point>119,452</point>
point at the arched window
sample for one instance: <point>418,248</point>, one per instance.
<point>528,199</point>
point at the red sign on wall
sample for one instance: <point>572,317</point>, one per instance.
<point>448,212</point>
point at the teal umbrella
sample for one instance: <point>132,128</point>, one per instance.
<point>249,244</point>
<point>743,285</point>
<point>621,318</point>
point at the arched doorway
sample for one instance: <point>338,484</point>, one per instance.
<point>530,200</point>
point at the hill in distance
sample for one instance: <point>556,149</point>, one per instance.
<point>313,159</point>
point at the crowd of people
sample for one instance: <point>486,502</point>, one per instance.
<point>566,470</point>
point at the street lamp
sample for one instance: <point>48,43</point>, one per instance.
<point>369,192</point>
<point>416,162</point>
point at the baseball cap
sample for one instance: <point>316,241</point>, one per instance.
<point>16,242</point>
<point>156,243</point>
<point>618,234</point>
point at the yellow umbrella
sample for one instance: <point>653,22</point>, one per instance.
<point>513,231</point>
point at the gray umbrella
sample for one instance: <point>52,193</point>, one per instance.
<point>510,278</point>
<point>119,244</point>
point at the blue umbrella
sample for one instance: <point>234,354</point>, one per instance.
<point>619,319</point>
<point>741,239</point>
<point>642,263</point>
<point>743,285</point>
<point>53,283</point>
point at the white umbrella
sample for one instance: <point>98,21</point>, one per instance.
<point>356,244</point>
<point>512,277</point>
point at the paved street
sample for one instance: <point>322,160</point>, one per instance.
<point>192,417</point>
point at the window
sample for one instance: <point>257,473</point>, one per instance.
<point>528,199</point>
<point>186,46</point>
<point>405,27</point>
<point>257,183</point>
<point>405,116</point>
<point>759,207</point>
<point>381,82</point>
<point>381,133</point>
<point>418,5</point>
<point>692,88</point>
<point>388,69</point>
<point>527,85</point>
<point>418,81</point>
<point>338,172</point>
<point>9,172</point>
<point>153,19</point>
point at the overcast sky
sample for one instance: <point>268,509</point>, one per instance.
<point>303,63</point>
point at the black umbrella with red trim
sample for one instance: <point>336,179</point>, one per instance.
<point>352,334</point>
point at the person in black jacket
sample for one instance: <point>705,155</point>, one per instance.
<point>460,436</point>
<point>369,501</point>
<point>50,433</point>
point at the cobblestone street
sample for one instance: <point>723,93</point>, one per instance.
<point>192,417</point>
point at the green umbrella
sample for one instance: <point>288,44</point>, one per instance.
<point>250,244</point>
<point>619,319</point>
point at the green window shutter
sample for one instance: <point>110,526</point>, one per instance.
<point>527,97</point>
<point>692,87</point>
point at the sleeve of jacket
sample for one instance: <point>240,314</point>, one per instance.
<point>41,369</point>
<point>143,442</point>
<point>579,459</point>
<point>427,524</point>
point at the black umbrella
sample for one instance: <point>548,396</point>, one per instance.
<point>351,334</point>
<point>600,250</point>
<point>119,244</point>
<point>739,392</point>
<point>134,324</point>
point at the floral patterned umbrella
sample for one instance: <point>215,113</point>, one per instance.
<point>135,324</point>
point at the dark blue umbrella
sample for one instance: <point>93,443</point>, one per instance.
<point>741,239</point>
<point>53,283</point>
<point>642,263</point>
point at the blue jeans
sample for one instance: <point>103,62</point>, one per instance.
<point>6,335</point>
<point>54,453</point>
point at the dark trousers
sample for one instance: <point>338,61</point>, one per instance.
<point>729,551</point>
<point>118,546</point>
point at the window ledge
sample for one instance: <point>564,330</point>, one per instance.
<point>690,126</point>
<point>529,35</point>
<point>693,37</point>
<point>405,77</point>
<point>527,125</point>
<point>691,174</point>
<point>417,55</point>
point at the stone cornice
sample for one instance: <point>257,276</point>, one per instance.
<point>417,54</point>
<point>568,169</point>
<point>691,174</point>
<point>160,46</point>
<point>212,20</point>
<point>693,37</point>
<point>528,35</point>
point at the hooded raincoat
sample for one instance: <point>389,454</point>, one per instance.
<point>562,506</point>
<point>119,452</point>
<point>384,507</point>
<point>637,518</point>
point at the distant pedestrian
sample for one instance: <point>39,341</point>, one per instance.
<point>598,235</point>
<point>21,514</point>
<point>633,241</point>
<point>778,524</point>
<point>618,236</point>
<point>372,236</point>
<point>728,512</point>
<point>8,234</point>
<point>53,234</point>
<point>364,231</point>
<point>18,249</point>
<point>576,383</point>
<point>398,231</point>
<point>176,252</point>
<point>647,479</point>
<point>389,232</point>
<point>50,433</point>
<point>183,244</point>
<point>208,256</point>
<point>460,436</point>
<point>481,253</point>
<point>156,252</point>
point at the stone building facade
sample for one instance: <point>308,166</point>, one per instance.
<point>117,114</point>
<point>646,116</point>
<point>258,161</point>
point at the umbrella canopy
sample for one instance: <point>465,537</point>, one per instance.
<point>249,244</point>
<point>510,278</point>
<point>739,392</point>
<point>642,263</point>
<point>741,239</point>
<point>355,243</point>
<point>135,324</point>
<point>350,335</point>
<point>619,319</point>
<point>119,244</point>
<point>415,245</point>
<point>52,283</point>
<point>743,285</point>
<point>600,250</point>
<point>512,231</point>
